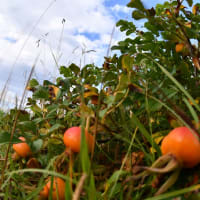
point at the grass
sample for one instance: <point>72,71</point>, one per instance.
<point>133,113</point>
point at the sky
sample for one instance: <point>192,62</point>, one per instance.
<point>53,30</point>
<point>57,32</point>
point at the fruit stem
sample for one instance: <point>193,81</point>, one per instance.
<point>171,165</point>
<point>138,176</point>
<point>161,161</point>
<point>169,182</point>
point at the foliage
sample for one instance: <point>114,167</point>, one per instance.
<point>129,104</point>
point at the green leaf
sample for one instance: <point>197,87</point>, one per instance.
<point>55,127</point>
<point>146,134</point>
<point>28,125</point>
<point>85,161</point>
<point>123,82</point>
<point>154,106</point>
<point>5,138</point>
<point>129,27</point>
<point>33,82</point>
<point>115,176</point>
<point>68,188</point>
<point>65,71</point>
<point>37,145</point>
<point>112,187</point>
<point>153,28</point>
<point>47,82</point>
<point>136,4</point>
<point>127,62</point>
<point>86,111</point>
<point>65,83</point>
<point>41,93</point>
<point>119,95</point>
<point>102,112</point>
<point>190,2</point>
<point>92,189</point>
<point>115,190</point>
<point>178,85</point>
<point>74,68</point>
<point>38,120</point>
<point>137,15</point>
<point>173,194</point>
<point>192,111</point>
<point>109,76</point>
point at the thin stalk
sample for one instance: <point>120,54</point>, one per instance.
<point>79,187</point>
<point>161,161</point>
<point>170,181</point>
<point>15,122</point>
<point>173,164</point>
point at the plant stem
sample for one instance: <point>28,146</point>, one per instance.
<point>173,164</point>
<point>170,181</point>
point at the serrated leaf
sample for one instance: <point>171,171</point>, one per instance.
<point>55,127</point>
<point>136,4</point>
<point>74,68</point>
<point>33,82</point>
<point>137,15</point>
<point>65,71</point>
<point>41,93</point>
<point>129,27</point>
<point>47,83</point>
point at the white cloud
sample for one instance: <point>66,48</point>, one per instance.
<point>121,8</point>
<point>23,21</point>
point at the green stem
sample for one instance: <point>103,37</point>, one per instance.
<point>161,161</point>
<point>172,164</point>
<point>169,182</point>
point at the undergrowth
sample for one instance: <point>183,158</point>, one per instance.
<point>129,105</point>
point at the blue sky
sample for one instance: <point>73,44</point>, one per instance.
<point>88,26</point>
<point>111,3</point>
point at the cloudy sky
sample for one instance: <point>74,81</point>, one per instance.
<point>31,28</point>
